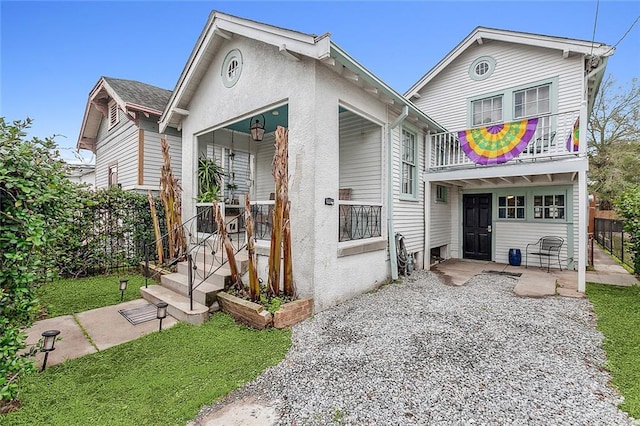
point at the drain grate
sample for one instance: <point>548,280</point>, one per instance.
<point>510,274</point>
<point>140,314</point>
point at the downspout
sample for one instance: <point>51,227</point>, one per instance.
<point>391,235</point>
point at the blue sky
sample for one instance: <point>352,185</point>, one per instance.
<point>53,53</point>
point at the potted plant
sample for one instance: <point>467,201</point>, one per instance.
<point>209,180</point>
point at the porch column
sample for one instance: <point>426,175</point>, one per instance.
<point>427,226</point>
<point>582,230</point>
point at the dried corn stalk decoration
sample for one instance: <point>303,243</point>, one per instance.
<point>254,284</point>
<point>170,192</point>
<point>156,229</point>
<point>280,233</point>
<point>225,242</point>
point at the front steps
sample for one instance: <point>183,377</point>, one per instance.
<point>174,288</point>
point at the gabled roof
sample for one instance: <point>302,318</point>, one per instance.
<point>565,45</point>
<point>132,97</point>
<point>221,27</point>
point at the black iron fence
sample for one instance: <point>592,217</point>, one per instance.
<point>359,221</point>
<point>609,233</point>
<point>262,215</point>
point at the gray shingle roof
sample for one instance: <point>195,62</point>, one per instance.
<point>138,93</point>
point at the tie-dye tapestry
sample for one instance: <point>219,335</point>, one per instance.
<point>573,141</point>
<point>497,143</point>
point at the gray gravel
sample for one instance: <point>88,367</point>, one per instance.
<point>423,352</point>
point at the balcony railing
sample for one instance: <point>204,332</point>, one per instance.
<point>262,213</point>
<point>548,141</point>
<point>359,221</point>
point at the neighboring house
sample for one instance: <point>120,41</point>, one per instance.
<point>120,126</point>
<point>480,209</point>
<point>355,146</point>
<point>82,173</point>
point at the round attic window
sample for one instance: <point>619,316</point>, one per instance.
<point>482,68</point>
<point>231,68</point>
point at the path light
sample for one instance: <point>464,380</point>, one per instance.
<point>162,312</point>
<point>123,287</point>
<point>257,128</point>
<point>48,344</point>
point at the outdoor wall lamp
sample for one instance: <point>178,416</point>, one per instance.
<point>162,313</point>
<point>48,344</point>
<point>123,287</point>
<point>257,128</point>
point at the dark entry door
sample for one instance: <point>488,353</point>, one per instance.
<point>476,224</point>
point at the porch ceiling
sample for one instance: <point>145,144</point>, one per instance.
<point>542,173</point>
<point>273,118</point>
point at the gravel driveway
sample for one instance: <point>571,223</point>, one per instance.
<point>423,352</point>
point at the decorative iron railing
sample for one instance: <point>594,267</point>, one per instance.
<point>549,140</point>
<point>262,213</point>
<point>609,233</point>
<point>358,221</point>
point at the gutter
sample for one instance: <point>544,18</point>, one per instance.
<point>391,235</point>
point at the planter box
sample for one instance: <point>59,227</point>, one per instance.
<point>256,316</point>
<point>249,313</point>
<point>292,313</point>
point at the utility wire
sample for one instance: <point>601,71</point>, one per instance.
<point>595,24</point>
<point>625,34</point>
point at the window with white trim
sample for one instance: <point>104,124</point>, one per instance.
<point>511,207</point>
<point>532,102</point>
<point>487,110</point>
<point>114,117</point>
<point>550,206</point>
<point>113,174</point>
<point>441,194</point>
<point>409,160</point>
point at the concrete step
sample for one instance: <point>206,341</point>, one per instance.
<point>204,293</point>
<point>178,304</point>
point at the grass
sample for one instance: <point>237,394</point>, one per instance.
<point>618,312</point>
<point>162,378</point>
<point>69,296</point>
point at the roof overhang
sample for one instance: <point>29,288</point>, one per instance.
<point>565,46</point>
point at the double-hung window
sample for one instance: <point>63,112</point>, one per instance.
<point>409,163</point>
<point>487,110</point>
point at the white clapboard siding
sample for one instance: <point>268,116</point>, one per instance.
<point>446,97</point>
<point>517,235</point>
<point>360,158</point>
<point>456,222</point>
<point>441,218</point>
<point>408,215</point>
<point>118,145</point>
<point>153,157</point>
<point>265,184</point>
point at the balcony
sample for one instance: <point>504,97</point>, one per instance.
<point>549,141</point>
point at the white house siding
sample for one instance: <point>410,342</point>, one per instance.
<point>153,157</point>
<point>265,184</point>
<point>441,218</point>
<point>117,145</point>
<point>408,214</point>
<point>508,235</point>
<point>360,158</point>
<point>313,93</point>
<point>446,97</point>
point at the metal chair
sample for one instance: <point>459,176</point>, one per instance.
<point>545,247</point>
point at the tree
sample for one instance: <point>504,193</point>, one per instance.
<point>628,206</point>
<point>36,201</point>
<point>614,141</point>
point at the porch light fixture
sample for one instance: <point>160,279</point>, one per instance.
<point>123,287</point>
<point>257,128</point>
<point>162,312</point>
<point>48,345</point>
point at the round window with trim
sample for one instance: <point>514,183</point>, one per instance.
<point>482,68</point>
<point>231,68</point>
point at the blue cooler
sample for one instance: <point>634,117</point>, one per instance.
<point>515,257</point>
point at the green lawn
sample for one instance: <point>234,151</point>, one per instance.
<point>618,312</point>
<point>69,296</point>
<point>160,379</point>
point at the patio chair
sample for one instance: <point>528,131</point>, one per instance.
<point>548,247</point>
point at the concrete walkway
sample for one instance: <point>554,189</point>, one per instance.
<point>91,331</point>
<point>535,281</point>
